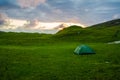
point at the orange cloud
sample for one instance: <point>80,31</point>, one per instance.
<point>30,3</point>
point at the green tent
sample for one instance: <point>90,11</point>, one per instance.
<point>83,49</point>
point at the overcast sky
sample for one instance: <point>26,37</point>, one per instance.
<point>87,12</point>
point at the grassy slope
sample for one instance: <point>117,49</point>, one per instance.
<point>104,32</point>
<point>26,56</point>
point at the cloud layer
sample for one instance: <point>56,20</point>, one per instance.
<point>3,18</point>
<point>88,12</point>
<point>30,3</point>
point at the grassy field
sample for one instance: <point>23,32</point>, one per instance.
<point>56,61</point>
<point>33,56</point>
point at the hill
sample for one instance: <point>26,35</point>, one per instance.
<point>104,32</point>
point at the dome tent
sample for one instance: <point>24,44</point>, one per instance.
<point>83,49</point>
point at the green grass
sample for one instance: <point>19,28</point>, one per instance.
<point>57,62</point>
<point>33,56</point>
<point>90,34</point>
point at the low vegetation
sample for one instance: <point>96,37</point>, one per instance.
<point>33,56</point>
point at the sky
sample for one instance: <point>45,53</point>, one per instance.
<point>86,12</point>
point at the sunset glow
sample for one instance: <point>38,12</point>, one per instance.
<point>17,25</point>
<point>39,25</point>
<point>16,22</point>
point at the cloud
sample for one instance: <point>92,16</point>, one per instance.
<point>88,11</point>
<point>57,11</point>
<point>30,3</point>
<point>116,16</point>
<point>8,3</point>
<point>32,24</point>
<point>3,18</point>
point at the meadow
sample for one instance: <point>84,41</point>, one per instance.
<point>33,56</point>
<point>30,58</point>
